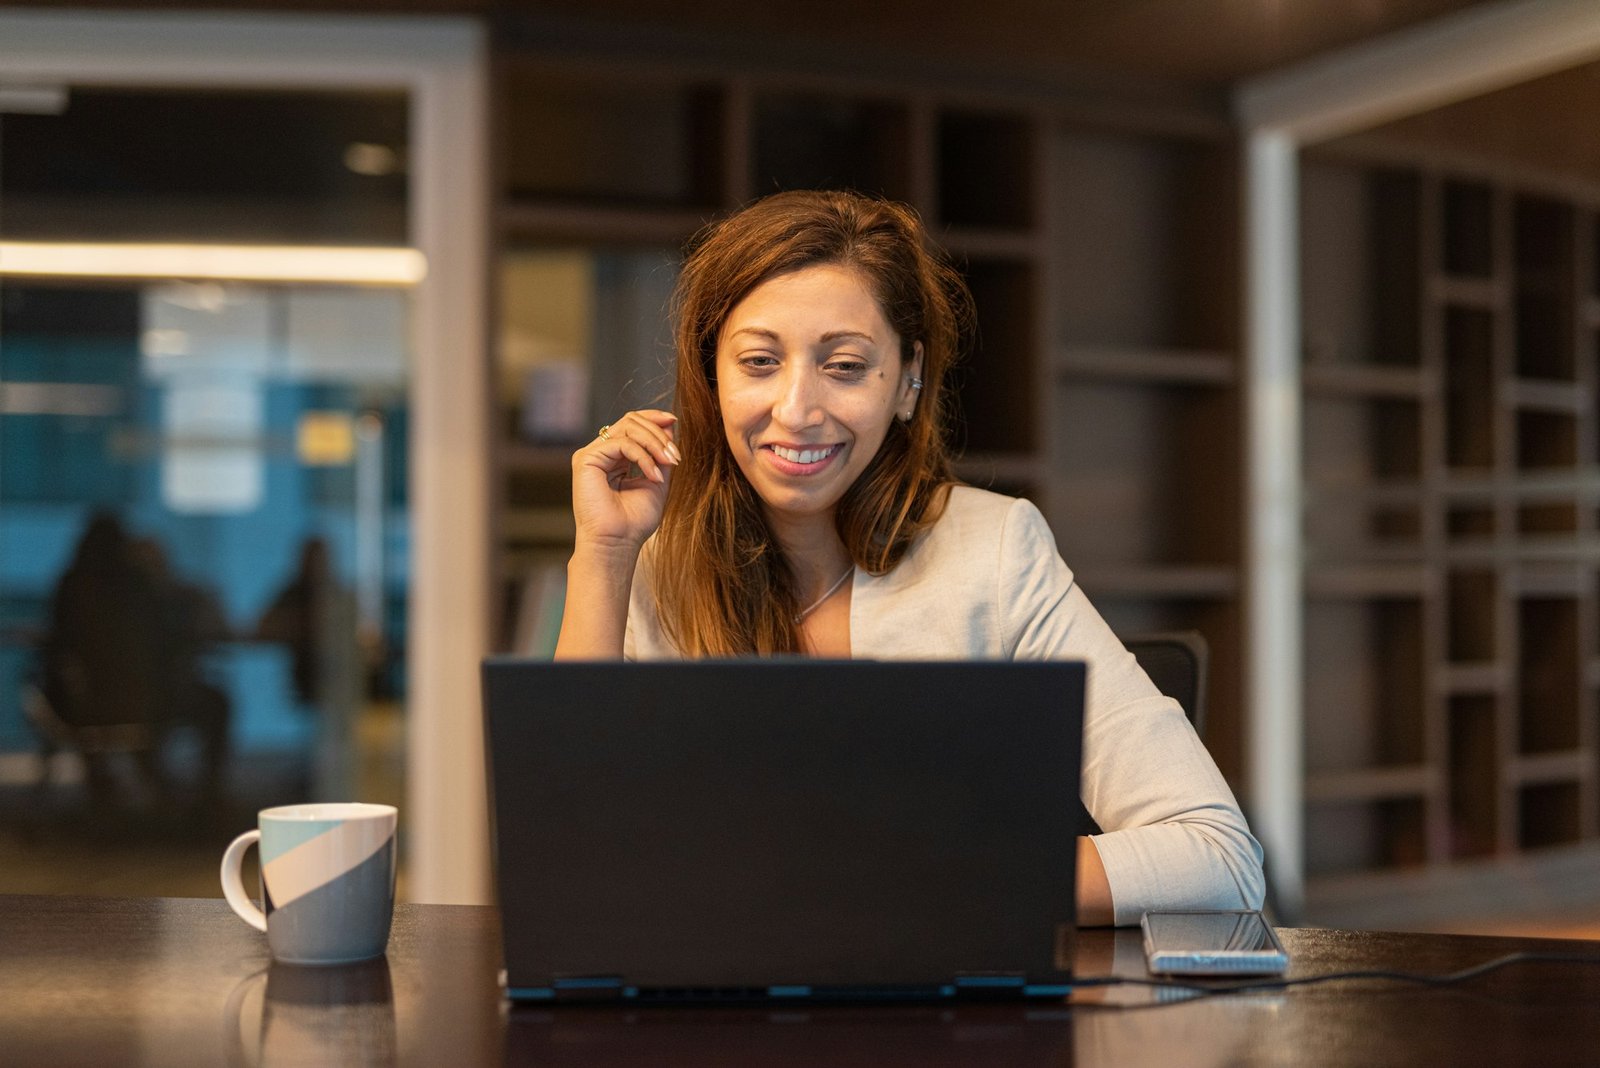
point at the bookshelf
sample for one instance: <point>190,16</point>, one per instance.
<point>1103,260</point>
<point>1450,432</point>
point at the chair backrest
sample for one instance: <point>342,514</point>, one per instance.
<point>1176,662</point>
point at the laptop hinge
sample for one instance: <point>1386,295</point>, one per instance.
<point>588,987</point>
<point>989,984</point>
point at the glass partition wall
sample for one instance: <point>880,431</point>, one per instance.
<point>203,438</point>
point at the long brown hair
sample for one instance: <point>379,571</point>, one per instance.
<point>722,585</point>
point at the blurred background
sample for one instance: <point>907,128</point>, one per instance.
<point>208,476</point>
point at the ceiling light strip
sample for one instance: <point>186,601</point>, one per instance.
<point>235,263</point>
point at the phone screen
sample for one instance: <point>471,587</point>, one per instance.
<point>1212,942</point>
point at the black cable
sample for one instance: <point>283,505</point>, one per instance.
<point>1446,979</point>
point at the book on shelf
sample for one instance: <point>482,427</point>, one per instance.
<point>543,599</point>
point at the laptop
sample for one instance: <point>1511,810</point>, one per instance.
<point>784,830</point>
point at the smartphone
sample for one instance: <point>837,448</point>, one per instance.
<point>1204,942</point>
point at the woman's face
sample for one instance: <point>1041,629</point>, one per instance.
<point>809,377</point>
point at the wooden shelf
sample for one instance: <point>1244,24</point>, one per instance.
<point>1152,366</point>
<point>1377,492</point>
<point>552,526</point>
<point>1576,765</point>
<point>1370,380</point>
<point>1371,784</point>
<point>1568,582</point>
<point>520,456</point>
<point>545,220</point>
<point>1176,582</point>
<point>965,241</point>
<point>1368,581</point>
<point>1483,678</point>
<point>1568,398</point>
<point>998,469</point>
<point>1483,294</point>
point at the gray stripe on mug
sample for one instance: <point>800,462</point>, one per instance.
<point>343,920</point>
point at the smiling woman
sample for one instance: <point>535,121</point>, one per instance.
<point>801,501</point>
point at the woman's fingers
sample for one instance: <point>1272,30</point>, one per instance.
<point>614,455</point>
<point>648,428</point>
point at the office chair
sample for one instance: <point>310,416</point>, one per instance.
<point>1176,662</point>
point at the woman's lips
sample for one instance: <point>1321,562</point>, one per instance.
<point>801,460</point>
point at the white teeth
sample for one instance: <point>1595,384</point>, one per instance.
<point>802,456</point>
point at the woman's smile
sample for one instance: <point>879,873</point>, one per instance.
<point>798,460</point>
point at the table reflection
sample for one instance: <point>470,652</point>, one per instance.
<point>835,1035</point>
<point>290,1014</point>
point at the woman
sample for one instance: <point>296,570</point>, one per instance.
<point>813,510</point>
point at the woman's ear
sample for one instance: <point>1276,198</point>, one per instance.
<point>910,385</point>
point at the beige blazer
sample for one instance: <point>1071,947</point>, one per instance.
<point>986,583</point>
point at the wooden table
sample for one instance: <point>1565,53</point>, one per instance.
<point>109,981</point>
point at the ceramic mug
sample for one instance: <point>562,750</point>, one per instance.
<point>327,881</point>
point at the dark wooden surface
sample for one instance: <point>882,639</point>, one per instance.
<point>102,981</point>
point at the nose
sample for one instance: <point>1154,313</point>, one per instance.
<point>798,403</point>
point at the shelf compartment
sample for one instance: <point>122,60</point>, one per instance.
<point>1469,388</point>
<point>1552,518</point>
<point>1362,439</point>
<point>1146,242</point>
<point>1471,609</point>
<point>1149,476</point>
<point>1543,233</point>
<point>1362,268</point>
<point>1467,209</point>
<point>1549,814</point>
<point>1365,693</point>
<point>1356,540</point>
<point>987,167</point>
<point>583,336</point>
<point>1593,239</point>
<point>579,137</point>
<point>1546,440</point>
<point>1470,522</point>
<point>1549,674</point>
<point>825,141</point>
<point>993,388</point>
<point>1344,837</point>
<point>1474,775</point>
<point>1356,441</point>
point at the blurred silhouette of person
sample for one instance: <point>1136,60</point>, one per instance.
<point>121,662</point>
<point>314,615</point>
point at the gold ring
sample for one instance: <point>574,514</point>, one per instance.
<point>605,432</point>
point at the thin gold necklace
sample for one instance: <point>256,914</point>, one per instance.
<point>831,591</point>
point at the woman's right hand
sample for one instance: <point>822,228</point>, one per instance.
<point>612,509</point>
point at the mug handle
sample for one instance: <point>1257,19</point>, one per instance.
<point>233,881</point>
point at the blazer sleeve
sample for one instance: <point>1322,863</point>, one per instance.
<point>1174,836</point>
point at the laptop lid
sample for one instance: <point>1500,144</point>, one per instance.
<point>785,828</point>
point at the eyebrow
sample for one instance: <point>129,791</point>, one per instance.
<point>831,335</point>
